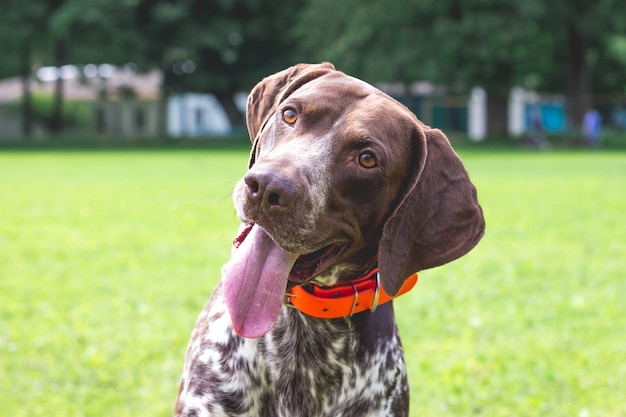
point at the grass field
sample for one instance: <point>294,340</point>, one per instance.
<point>107,257</point>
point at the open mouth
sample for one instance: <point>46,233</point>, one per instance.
<point>258,273</point>
<point>311,265</point>
<point>307,266</point>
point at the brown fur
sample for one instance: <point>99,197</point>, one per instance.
<point>414,209</point>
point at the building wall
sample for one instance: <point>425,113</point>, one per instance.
<point>196,114</point>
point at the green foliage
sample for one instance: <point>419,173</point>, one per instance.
<point>493,43</point>
<point>232,44</point>
<point>21,25</point>
<point>108,257</point>
<point>227,46</point>
<point>102,31</point>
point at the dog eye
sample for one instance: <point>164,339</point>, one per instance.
<point>290,116</point>
<point>367,160</point>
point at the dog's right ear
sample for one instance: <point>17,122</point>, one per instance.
<point>271,91</point>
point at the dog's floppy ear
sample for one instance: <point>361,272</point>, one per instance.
<point>271,91</point>
<point>437,220</point>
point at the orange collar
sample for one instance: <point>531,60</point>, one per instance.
<point>345,299</point>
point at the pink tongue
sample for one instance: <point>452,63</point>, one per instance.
<point>255,280</point>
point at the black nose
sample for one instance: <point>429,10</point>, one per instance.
<point>269,191</point>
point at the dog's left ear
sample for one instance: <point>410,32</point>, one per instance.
<point>271,91</point>
<point>437,220</point>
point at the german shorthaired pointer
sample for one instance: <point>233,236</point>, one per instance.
<point>347,194</point>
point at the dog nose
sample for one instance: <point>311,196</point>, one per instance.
<point>268,191</point>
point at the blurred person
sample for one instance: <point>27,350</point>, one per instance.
<point>592,127</point>
<point>537,136</point>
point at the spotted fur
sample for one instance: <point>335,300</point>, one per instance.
<point>302,367</point>
<point>415,209</point>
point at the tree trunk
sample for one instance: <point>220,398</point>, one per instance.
<point>164,97</point>
<point>578,95</point>
<point>27,99</point>
<point>235,116</point>
<point>57,122</point>
<point>497,114</point>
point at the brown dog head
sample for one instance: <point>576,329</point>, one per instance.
<point>341,177</point>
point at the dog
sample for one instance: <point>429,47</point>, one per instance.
<point>346,196</point>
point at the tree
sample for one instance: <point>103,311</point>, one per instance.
<point>455,43</point>
<point>219,47</point>
<point>584,31</point>
<point>21,40</point>
<point>60,32</point>
<point>102,32</point>
<point>216,46</point>
<point>493,43</point>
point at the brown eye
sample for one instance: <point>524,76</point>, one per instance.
<point>290,116</point>
<point>367,160</point>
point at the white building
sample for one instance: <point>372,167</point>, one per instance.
<point>194,114</point>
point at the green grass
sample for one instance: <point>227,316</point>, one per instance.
<point>531,323</point>
<point>106,259</point>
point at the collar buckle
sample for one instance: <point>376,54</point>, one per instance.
<point>356,299</point>
<point>287,300</point>
<point>376,293</point>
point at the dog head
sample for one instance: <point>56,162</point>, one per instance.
<point>343,177</point>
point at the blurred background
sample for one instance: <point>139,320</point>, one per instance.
<point>122,134</point>
<point>120,69</point>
